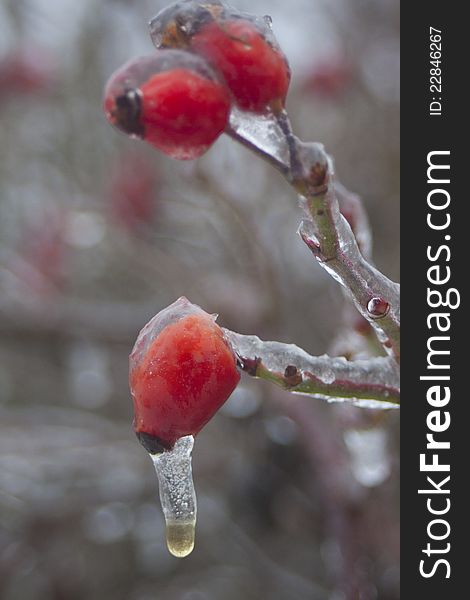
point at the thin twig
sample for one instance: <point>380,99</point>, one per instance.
<point>372,383</point>
<point>331,240</point>
<point>295,169</point>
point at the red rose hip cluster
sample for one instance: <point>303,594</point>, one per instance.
<point>209,58</point>
<point>240,47</point>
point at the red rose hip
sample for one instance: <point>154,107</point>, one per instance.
<point>172,100</point>
<point>241,47</point>
<point>255,72</point>
<point>181,371</point>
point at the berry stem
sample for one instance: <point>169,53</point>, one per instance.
<point>295,168</point>
<point>372,383</point>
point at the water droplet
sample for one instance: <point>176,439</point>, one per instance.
<point>180,537</point>
<point>268,20</point>
<point>378,307</point>
<point>177,495</point>
<point>327,376</point>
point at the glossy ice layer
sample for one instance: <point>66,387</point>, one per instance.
<point>256,73</point>
<point>171,99</point>
<point>240,46</point>
<point>182,370</point>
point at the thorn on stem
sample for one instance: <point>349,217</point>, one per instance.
<point>292,376</point>
<point>313,246</point>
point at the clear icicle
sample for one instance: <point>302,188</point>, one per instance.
<point>177,495</point>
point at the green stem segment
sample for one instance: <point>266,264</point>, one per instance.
<point>372,383</point>
<point>331,240</point>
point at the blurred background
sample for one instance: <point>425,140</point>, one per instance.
<point>298,499</point>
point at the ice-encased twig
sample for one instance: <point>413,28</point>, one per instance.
<point>325,231</point>
<point>372,383</point>
<point>331,240</point>
<point>352,208</point>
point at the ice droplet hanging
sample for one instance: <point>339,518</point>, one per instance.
<point>177,495</point>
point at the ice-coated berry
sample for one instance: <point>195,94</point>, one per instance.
<point>175,24</point>
<point>172,100</point>
<point>241,47</point>
<point>255,72</point>
<point>182,370</point>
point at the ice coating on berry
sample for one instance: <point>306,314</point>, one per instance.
<point>255,72</point>
<point>182,370</point>
<point>174,25</point>
<point>238,45</point>
<point>171,99</point>
<point>183,113</point>
<point>171,314</point>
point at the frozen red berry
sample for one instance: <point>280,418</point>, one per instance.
<point>182,370</point>
<point>241,47</point>
<point>172,100</point>
<point>255,72</point>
